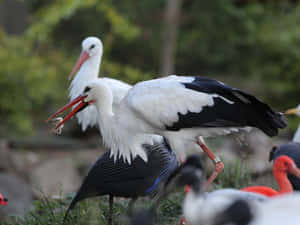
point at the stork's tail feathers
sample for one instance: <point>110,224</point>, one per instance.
<point>274,120</point>
<point>264,117</point>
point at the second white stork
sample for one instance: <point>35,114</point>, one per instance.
<point>86,70</point>
<point>180,108</point>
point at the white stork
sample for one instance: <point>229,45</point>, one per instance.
<point>180,108</point>
<point>86,70</point>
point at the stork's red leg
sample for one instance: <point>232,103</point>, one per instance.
<point>186,187</point>
<point>216,160</point>
<point>183,221</point>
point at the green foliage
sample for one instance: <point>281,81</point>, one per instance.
<point>27,81</point>
<point>95,210</point>
<point>252,46</point>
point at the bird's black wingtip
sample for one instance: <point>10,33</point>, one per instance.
<point>282,120</point>
<point>272,152</point>
<point>277,120</point>
<point>239,212</point>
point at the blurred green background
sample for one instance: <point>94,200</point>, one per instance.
<point>253,45</point>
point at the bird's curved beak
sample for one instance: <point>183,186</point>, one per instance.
<point>291,111</point>
<point>81,105</point>
<point>82,58</point>
<point>294,170</point>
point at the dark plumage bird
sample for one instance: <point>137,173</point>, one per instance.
<point>199,208</point>
<point>291,149</point>
<point>121,179</point>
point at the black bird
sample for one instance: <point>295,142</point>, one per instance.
<point>121,179</point>
<point>199,208</point>
<point>291,149</point>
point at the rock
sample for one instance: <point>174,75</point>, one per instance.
<point>5,156</point>
<point>55,177</point>
<point>18,193</point>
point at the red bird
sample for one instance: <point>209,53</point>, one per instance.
<point>282,165</point>
<point>3,201</point>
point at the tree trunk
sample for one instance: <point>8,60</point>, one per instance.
<point>14,16</point>
<point>172,14</point>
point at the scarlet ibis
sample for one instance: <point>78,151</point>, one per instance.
<point>86,70</point>
<point>283,209</point>
<point>282,165</point>
<point>3,201</point>
<point>180,108</point>
<point>121,179</point>
<point>199,208</point>
<point>291,149</point>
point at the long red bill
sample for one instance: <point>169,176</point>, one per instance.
<point>72,113</point>
<point>83,57</point>
<point>66,107</point>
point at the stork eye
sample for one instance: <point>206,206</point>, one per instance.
<point>87,89</point>
<point>92,46</point>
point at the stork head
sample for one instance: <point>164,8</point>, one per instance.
<point>294,111</point>
<point>95,91</point>
<point>286,164</point>
<point>91,47</point>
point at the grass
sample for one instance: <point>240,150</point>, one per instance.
<point>48,211</point>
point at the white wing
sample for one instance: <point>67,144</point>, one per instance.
<point>119,89</point>
<point>159,101</point>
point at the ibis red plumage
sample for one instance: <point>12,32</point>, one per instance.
<point>3,201</point>
<point>281,167</point>
<point>291,149</point>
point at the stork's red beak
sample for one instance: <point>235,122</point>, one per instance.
<point>81,105</point>
<point>83,57</point>
<point>295,171</point>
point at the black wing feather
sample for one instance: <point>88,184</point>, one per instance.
<point>246,110</point>
<point>128,180</point>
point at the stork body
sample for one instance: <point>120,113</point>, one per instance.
<point>178,108</point>
<point>282,165</point>
<point>134,180</point>
<point>182,109</point>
